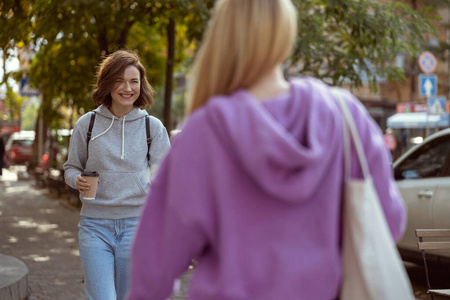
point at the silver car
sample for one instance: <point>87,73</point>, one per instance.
<point>423,176</point>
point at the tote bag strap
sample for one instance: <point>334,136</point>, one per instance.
<point>349,125</point>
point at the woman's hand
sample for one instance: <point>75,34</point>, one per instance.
<point>82,184</point>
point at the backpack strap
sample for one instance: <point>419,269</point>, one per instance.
<point>149,138</point>
<point>89,133</point>
<point>147,129</point>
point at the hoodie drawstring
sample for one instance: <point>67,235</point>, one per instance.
<point>123,138</point>
<point>112,121</point>
<point>123,135</point>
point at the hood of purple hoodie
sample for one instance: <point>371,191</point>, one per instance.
<point>284,144</point>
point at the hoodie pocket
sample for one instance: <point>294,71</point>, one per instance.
<point>118,187</point>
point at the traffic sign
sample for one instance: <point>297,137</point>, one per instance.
<point>436,105</point>
<point>427,62</point>
<point>25,88</point>
<point>427,85</point>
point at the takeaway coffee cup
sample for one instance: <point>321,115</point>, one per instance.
<point>92,179</point>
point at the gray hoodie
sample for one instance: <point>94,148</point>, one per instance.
<point>118,152</point>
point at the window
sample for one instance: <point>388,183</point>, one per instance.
<point>23,142</point>
<point>430,160</point>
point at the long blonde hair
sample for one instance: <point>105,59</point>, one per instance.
<point>245,39</point>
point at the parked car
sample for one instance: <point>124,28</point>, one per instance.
<point>423,176</point>
<point>18,148</point>
<point>55,154</point>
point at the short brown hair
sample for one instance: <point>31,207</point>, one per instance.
<point>111,68</point>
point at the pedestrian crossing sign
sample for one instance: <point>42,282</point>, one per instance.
<point>436,105</point>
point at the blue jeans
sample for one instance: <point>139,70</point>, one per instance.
<point>105,249</point>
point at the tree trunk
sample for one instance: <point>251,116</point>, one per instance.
<point>5,57</point>
<point>103,43</point>
<point>40,128</point>
<point>169,74</point>
<point>122,40</point>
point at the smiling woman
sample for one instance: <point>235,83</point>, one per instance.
<point>125,92</point>
<point>123,73</point>
<point>119,152</point>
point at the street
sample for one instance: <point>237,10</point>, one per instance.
<point>40,229</point>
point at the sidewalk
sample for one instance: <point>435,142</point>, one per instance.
<point>41,231</point>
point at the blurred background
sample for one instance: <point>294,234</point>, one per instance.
<point>378,49</point>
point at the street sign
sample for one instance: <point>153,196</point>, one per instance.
<point>427,85</point>
<point>436,105</point>
<point>25,88</point>
<point>427,62</point>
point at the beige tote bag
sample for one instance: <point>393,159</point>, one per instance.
<point>372,267</point>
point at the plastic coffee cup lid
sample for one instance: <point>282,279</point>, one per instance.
<point>90,174</point>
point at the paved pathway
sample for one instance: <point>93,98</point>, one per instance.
<point>40,229</point>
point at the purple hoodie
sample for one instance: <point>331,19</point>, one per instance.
<point>253,191</point>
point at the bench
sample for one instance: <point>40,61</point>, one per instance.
<point>436,244</point>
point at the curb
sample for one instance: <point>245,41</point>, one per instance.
<point>13,278</point>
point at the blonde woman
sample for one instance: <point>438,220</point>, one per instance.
<point>252,185</point>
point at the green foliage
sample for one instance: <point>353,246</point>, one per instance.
<point>73,37</point>
<point>13,103</point>
<point>107,22</point>
<point>193,14</point>
<point>15,27</point>
<point>340,39</point>
<point>150,45</point>
<point>29,117</point>
<point>66,69</point>
<point>337,41</point>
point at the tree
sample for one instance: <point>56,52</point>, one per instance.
<point>107,22</point>
<point>15,24</point>
<point>72,36</point>
<point>29,116</point>
<point>13,103</point>
<point>170,14</point>
<point>340,40</point>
